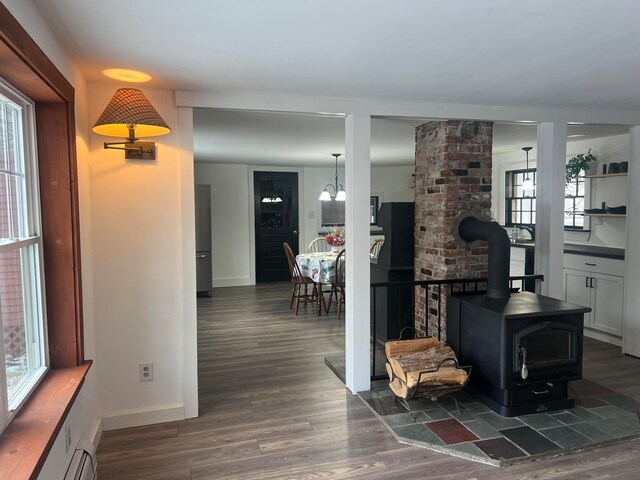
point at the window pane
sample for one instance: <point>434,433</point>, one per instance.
<point>20,318</point>
<point>568,205</point>
<point>12,181</point>
<point>519,192</point>
<point>13,222</point>
<point>12,137</point>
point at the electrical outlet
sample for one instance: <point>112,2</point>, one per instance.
<point>146,371</point>
<point>67,438</point>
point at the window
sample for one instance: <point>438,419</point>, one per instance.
<point>22,346</point>
<point>520,204</point>
<point>574,204</point>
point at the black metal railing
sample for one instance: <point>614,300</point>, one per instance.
<point>393,307</point>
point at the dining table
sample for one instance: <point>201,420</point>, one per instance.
<point>319,267</point>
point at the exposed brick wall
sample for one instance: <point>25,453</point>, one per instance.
<point>453,174</point>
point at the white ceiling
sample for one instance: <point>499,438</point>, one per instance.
<point>577,54</point>
<point>257,138</point>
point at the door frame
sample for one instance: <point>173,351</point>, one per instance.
<point>302,207</point>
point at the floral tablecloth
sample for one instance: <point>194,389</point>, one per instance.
<point>319,266</point>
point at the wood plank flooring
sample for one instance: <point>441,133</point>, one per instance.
<point>270,409</point>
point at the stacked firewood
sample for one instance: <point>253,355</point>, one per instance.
<point>417,367</point>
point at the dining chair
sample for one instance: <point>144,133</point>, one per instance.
<point>374,251</point>
<point>318,245</point>
<point>336,297</point>
<point>298,281</point>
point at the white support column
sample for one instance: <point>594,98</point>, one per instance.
<point>189,319</point>
<point>357,306</point>
<point>631,325</point>
<point>550,185</point>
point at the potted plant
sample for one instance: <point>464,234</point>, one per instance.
<point>579,163</point>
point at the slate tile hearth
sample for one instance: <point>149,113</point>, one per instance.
<point>451,431</point>
<point>601,417</point>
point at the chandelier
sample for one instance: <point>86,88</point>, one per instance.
<point>338,191</point>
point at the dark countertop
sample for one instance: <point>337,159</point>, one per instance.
<point>581,249</point>
<point>594,251</point>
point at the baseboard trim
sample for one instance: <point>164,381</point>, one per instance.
<point>232,282</point>
<point>142,417</point>
<point>96,433</point>
<point>603,337</point>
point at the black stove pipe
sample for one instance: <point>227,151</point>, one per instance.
<point>471,229</point>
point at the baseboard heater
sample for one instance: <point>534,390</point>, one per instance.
<point>83,463</point>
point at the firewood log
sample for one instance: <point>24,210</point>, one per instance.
<point>395,348</point>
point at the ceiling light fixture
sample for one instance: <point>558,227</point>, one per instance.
<point>338,191</point>
<point>126,75</point>
<point>129,114</point>
<point>272,199</point>
<point>527,184</point>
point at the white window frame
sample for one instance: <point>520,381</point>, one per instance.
<point>33,285</point>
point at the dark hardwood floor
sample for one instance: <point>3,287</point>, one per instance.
<point>271,409</point>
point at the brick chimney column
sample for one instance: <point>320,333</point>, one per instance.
<point>453,175</point>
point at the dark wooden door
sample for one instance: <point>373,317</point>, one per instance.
<point>275,201</point>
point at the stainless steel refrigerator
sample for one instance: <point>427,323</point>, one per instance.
<point>203,239</point>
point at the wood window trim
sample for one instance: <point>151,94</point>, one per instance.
<point>26,442</point>
<point>28,69</point>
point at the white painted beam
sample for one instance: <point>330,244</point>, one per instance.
<point>375,107</point>
<point>188,240</point>
<point>357,220</point>
<point>631,326</point>
<point>551,160</point>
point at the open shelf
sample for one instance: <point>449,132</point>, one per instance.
<point>604,214</point>
<point>604,175</point>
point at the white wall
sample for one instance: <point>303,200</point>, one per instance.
<point>232,210</point>
<point>612,190</point>
<point>230,230</point>
<point>138,272</point>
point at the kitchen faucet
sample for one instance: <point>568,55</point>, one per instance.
<point>531,229</point>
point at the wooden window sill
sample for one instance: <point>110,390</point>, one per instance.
<point>26,442</point>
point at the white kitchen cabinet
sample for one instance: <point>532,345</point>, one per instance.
<point>516,264</point>
<point>594,283</point>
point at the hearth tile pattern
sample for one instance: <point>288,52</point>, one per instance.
<point>601,417</point>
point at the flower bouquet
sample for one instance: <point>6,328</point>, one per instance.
<point>336,239</point>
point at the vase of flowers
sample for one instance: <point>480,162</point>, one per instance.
<point>336,239</point>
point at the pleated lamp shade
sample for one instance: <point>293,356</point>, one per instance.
<point>129,106</point>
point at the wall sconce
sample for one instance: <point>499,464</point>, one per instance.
<point>130,115</point>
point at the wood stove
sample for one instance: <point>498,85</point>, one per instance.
<point>524,348</point>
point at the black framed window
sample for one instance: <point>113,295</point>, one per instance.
<point>520,204</point>
<point>574,204</point>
